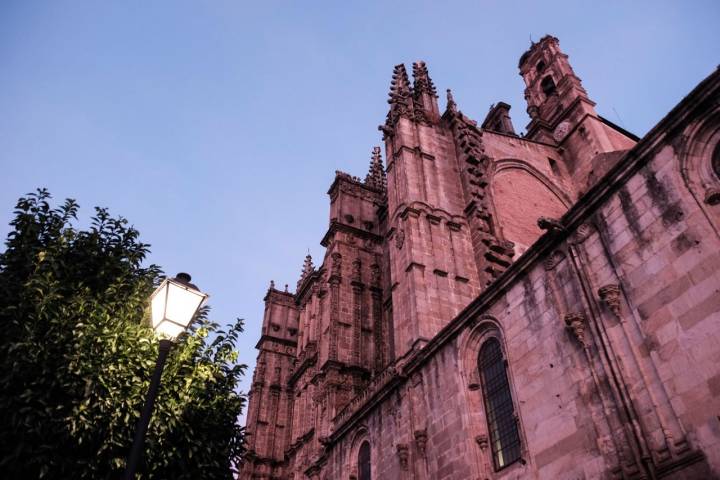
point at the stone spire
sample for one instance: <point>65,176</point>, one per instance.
<point>399,85</point>
<point>400,100</point>
<point>376,174</point>
<point>422,83</point>
<point>424,95</point>
<point>307,270</point>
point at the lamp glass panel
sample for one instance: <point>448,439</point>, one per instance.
<point>157,304</point>
<point>169,330</point>
<point>182,303</point>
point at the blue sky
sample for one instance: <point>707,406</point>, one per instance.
<point>216,127</point>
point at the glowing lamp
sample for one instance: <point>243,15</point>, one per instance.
<point>174,305</point>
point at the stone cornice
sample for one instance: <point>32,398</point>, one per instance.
<point>336,226</point>
<point>279,296</point>
<point>341,177</point>
<point>522,139</point>
<point>271,339</point>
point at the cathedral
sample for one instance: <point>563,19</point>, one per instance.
<point>494,305</point>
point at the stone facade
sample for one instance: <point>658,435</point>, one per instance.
<point>590,256</point>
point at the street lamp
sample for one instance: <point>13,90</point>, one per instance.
<point>173,304</point>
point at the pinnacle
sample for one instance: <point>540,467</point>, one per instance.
<point>400,83</point>
<point>307,269</point>
<point>451,105</point>
<point>422,83</point>
<point>376,174</point>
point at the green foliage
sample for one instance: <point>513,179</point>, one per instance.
<point>76,356</point>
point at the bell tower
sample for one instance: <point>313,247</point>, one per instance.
<point>562,114</point>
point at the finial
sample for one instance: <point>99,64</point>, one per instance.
<point>307,269</point>
<point>421,80</point>
<point>400,100</point>
<point>451,105</point>
<point>272,284</point>
<point>376,174</point>
<point>286,288</point>
<point>400,83</point>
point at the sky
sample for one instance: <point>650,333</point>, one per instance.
<point>216,127</point>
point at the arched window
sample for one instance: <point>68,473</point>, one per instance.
<point>548,85</point>
<point>716,160</point>
<point>499,410</point>
<point>540,66</point>
<point>364,461</point>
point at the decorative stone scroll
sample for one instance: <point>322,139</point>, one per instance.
<point>610,295</point>
<point>575,321</point>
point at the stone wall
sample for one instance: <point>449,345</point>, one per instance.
<point>610,325</point>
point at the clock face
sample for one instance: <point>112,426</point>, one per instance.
<point>561,130</point>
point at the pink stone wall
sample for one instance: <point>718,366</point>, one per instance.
<point>520,198</point>
<point>609,322</point>
<point>641,395</point>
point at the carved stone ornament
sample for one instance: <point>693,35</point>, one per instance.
<point>403,455</point>
<point>336,264</point>
<point>375,275</point>
<point>575,321</point>
<point>610,295</point>
<point>561,130</point>
<point>356,270</point>
<point>581,234</point>
<point>400,238</point>
<point>712,196</point>
<point>421,440</point>
<point>554,259</point>
<point>551,224</point>
<point>482,441</point>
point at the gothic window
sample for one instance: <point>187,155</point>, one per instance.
<point>540,66</point>
<point>499,410</point>
<point>548,86</point>
<point>716,161</point>
<point>364,461</point>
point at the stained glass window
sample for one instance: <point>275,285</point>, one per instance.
<point>499,410</point>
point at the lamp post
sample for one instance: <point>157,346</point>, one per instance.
<point>173,304</point>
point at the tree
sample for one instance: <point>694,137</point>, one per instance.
<point>76,356</point>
